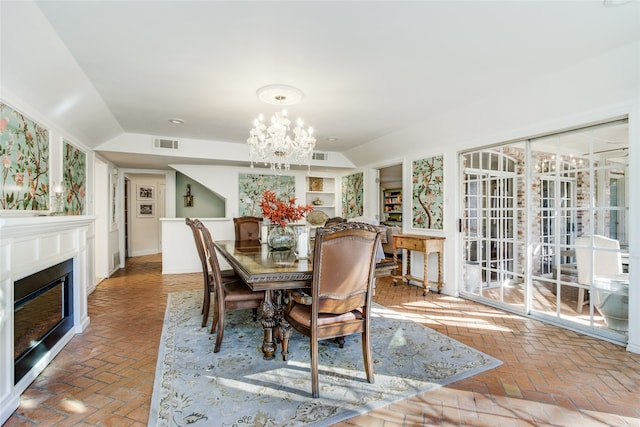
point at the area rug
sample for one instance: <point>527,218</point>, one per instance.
<point>237,387</point>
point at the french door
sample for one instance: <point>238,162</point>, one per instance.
<point>525,204</point>
<point>491,212</point>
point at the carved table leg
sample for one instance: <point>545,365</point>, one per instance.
<point>395,270</point>
<point>285,333</point>
<point>440,270</point>
<point>268,323</point>
<point>425,283</point>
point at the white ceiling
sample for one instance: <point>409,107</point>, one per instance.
<point>366,68</point>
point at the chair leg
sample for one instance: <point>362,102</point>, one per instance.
<point>220,332</point>
<point>315,389</point>
<point>214,323</point>
<point>366,354</point>
<point>581,301</point>
<point>205,307</point>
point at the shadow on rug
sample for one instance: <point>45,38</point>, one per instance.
<point>238,387</point>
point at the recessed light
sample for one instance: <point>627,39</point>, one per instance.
<point>176,121</point>
<point>332,139</point>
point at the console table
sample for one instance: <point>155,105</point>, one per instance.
<point>420,243</point>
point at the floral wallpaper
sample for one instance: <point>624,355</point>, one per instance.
<point>24,153</point>
<point>427,194</point>
<point>252,187</point>
<point>74,164</point>
<point>352,195</point>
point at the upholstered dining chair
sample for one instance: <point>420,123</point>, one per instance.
<point>227,275</point>
<point>247,227</point>
<point>343,272</point>
<point>227,295</point>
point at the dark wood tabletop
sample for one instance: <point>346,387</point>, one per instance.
<point>263,269</point>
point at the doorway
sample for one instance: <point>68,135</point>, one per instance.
<point>390,195</point>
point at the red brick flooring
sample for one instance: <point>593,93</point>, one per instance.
<point>549,376</point>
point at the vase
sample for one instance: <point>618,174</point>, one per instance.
<point>281,238</point>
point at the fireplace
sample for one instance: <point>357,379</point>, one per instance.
<point>43,314</point>
<point>46,273</point>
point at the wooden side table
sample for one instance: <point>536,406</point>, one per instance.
<point>424,244</point>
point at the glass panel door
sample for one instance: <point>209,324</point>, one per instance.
<point>492,212</point>
<point>564,198</point>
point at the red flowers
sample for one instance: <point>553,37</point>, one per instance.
<point>282,212</point>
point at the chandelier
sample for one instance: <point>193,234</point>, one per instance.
<point>277,144</point>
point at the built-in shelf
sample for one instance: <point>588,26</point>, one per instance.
<point>392,205</point>
<point>320,192</point>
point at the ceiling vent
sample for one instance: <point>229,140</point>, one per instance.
<point>165,143</point>
<point>317,155</point>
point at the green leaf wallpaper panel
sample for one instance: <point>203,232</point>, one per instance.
<point>24,153</point>
<point>427,193</point>
<point>252,186</point>
<point>74,164</point>
<point>353,195</point>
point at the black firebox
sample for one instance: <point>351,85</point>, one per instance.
<point>43,314</point>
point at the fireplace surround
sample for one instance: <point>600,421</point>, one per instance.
<point>29,245</point>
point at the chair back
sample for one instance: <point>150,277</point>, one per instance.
<point>247,227</point>
<point>212,263</point>
<point>334,220</point>
<point>606,257</point>
<point>343,267</point>
<point>199,245</point>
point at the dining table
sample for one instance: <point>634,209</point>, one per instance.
<point>275,273</point>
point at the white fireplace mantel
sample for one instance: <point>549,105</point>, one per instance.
<point>29,244</point>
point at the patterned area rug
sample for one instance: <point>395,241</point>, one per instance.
<point>237,387</point>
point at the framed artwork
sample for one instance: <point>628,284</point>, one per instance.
<point>145,192</point>
<point>24,152</point>
<point>146,210</point>
<point>353,195</point>
<point>427,210</point>
<point>74,169</point>
<point>113,201</point>
<point>252,187</point>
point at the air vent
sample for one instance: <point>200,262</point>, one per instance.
<point>317,155</point>
<point>165,144</point>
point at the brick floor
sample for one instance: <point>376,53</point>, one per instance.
<point>549,377</point>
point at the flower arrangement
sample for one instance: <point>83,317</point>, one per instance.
<point>282,212</point>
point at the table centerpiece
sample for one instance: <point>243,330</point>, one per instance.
<point>280,213</point>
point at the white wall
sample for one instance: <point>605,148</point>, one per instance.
<point>101,203</point>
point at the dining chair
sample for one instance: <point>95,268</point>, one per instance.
<point>247,227</point>
<point>227,295</point>
<point>343,273</point>
<point>228,276</point>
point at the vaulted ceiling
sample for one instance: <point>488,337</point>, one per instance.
<point>366,68</point>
